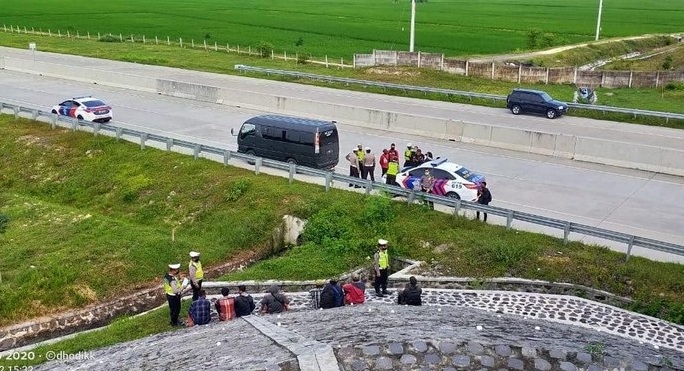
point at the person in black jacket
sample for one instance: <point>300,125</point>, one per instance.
<point>244,303</point>
<point>411,293</point>
<point>332,295</point>
<point>484,197</point>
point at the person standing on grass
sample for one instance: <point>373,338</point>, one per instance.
<point>381,268</point>
<point>484,197</point>
<point>174,291</point>
<point>244,303</point>
<point>196,274</point>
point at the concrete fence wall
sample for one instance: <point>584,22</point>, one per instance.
<point>628,155</point>
<point>494,71</point>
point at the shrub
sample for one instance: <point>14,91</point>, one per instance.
<point>667,63</point>
<point>302,58</point>
<point>109,38</point>
<point>265,49</point>
<point>533,38</point>
<point>4,221</point>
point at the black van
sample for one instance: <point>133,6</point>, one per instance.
<point>302,141</point>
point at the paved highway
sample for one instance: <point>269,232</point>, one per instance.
<point>630,201</point>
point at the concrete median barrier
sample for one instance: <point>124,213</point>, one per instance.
<point>188,90</point>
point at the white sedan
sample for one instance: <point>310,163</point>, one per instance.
<point>84,108</point>
<point>451,179</point>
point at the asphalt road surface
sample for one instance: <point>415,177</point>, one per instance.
<point>635,202</point>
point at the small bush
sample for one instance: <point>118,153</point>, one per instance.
<point>4,221</point>
<point>237,189</point>
<point>675,86</point>
<point>265,49</point>
<point>667,63</point>
<point>109,38</point>
<point>302,58</point>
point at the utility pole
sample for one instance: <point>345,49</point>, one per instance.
<point>413,25</point>
<point>598,23</point>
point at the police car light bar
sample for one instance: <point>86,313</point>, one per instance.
<point>438,162</point>
<point>84,96</point>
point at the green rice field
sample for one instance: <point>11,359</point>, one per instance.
<point>342,28</point>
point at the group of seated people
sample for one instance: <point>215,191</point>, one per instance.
<point>325,296</point>
<point>331,294</point>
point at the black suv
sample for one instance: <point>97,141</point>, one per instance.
<point>523,100</point>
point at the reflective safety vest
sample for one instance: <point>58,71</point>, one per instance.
<point>199,274</point>
<point>168,278</point>
<point>393,168</point>
<point>383,259</point>
<point>361,154</point>
<point>407,155</point>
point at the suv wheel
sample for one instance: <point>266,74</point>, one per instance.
<point>515,109</point>
<point>551,113</point>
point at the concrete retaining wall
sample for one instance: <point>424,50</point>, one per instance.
<point>628,155</point>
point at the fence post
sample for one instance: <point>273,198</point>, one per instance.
<point>629,85</point>
<point>226,157</point>
<point>509,220</point>
<point>96,128</point>
<point>119,133</point>
<point>492,70</point>
<point>205,44</point>
<point>629,246</point>
<point>328,181</point>
<point>132,40</point>
<point>326,61</point>
<point>77,34</point>
<point>88,35</point>
<point>169,144</point>
<point>192,43</point>
<point>257,165</point>
<point>180,40</point>
<point>196,152</point>
<point>566,232</point>
<point>143,138</point>
<point>272,54</point>
<point>144,41</point>
<point>215,46</point>
<point>156,40</point>
<point>168,41</point>
<point>519,72</point>
<point>291,172</point>
<point>120,37</point>
<point>547,76</point>
<point>466,67</point>
<point>574,76</point>
<point>657,78</point>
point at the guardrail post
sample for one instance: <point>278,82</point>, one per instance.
<point>411,197</point>
<point>328,181</point>
<point>226,157</point>
<point>34,114</point>
<point>143,138</point>
<point>169,144</point>
<point>566,232</point>
<point>369,187</point>
<point>53,121</point>
<point>119,133</point>
<point>291,172</point>
<point>257,165</point>
<point>457,206</point>
<point>509,219</point>
<point>96,128</point>
<point>196,152</point>
<point>74,124</point>
<point>629,247</point>
<point>16,112</point>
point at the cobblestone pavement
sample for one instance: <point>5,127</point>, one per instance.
<point>561,324</point>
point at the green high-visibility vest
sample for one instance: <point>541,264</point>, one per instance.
<point>167,284</point>
<point>393,168</point>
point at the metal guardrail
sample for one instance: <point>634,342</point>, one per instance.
<point>330,177</point>
<point>628,111</point>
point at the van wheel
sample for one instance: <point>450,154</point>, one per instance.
<point>250,152</point>
<point>551,113</point>
<point>515,109</point>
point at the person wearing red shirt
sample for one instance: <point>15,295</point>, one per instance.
<point>225,306</point>
<point>354,291</point>
<point>384,161</point>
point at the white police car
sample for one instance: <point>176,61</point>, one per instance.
<point>85,108</point>
<point>451,180</point>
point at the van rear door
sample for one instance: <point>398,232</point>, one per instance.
<point>328,144</point>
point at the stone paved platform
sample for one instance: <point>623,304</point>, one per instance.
<point>455,329</point>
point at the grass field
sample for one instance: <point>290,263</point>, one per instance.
<point>342,28</point>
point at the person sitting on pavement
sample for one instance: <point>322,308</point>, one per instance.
<point>411,293</point>
<point>354,291</point>
<point>274,301</point>
<point>244,303</point>
<point>332,295</point>
<point>225,306</point>
<point>200,309</point>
